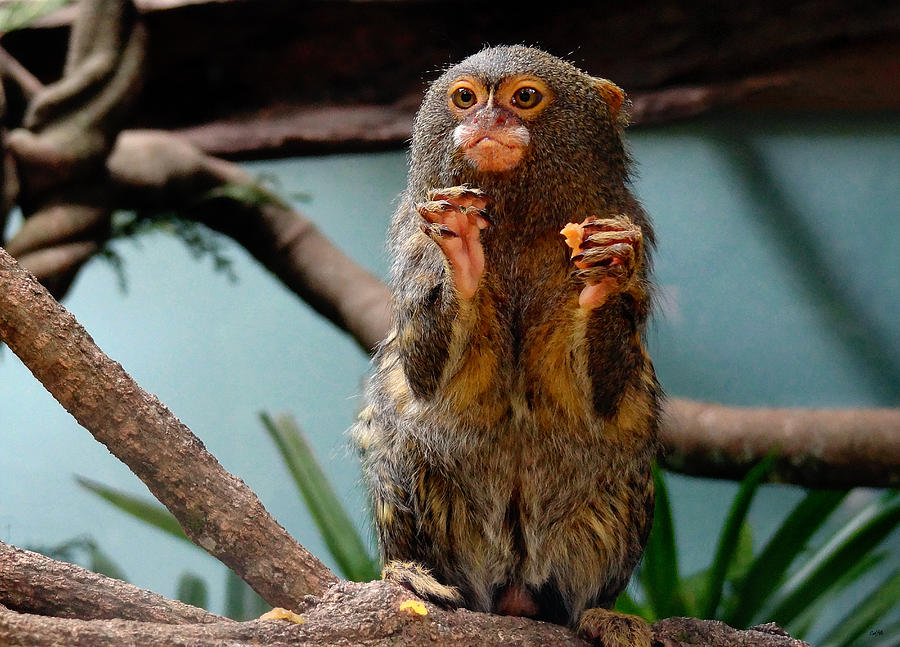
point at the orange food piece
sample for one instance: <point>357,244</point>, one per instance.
<point>574,234</point>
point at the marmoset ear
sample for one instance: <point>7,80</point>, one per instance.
<point>612,94</point>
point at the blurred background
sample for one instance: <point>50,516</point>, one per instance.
<point>767,151</point>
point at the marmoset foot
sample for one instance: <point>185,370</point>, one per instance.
<point>420,581</point>
<point>606,628</point>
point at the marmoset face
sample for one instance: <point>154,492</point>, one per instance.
<point>493,130</point>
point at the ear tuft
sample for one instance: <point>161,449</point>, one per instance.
<point>612,94</point>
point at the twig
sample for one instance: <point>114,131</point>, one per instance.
<point>12,69</point>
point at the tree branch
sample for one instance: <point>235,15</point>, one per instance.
<point>158,170</point>
<point>215,509</point>
<point>815,448</point>
<point>347,613</point>
<point>12,69</point>
<point>33,583</point>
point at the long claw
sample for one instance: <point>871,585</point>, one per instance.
<point>435,229</point>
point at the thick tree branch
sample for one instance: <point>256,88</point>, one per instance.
<point>346,614</point>
<point>215,509</point>
<point>815,448</point>
<point>33,583</point>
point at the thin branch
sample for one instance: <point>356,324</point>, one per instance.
<point>215,509</point>
<point>33,583</point>
<point>10,68</point>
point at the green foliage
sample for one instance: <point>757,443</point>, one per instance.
<point>340,535</point>
<point>789,541</point>
<point>242,602</point>
<point>786,582</point>
<point>726,552</point>
<point>84,552</point>
<point>200,241</point>
<point>659,577</point>
<point>192,590</point>
<point>22,13</point>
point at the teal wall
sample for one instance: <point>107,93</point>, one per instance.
<point>778,272</point>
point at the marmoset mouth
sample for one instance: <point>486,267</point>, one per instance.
<point>489,141</point>
<point>494,155</point>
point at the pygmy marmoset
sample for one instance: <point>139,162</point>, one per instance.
<point>512,413</point>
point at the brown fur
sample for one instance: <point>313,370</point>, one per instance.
<point>508,437</point>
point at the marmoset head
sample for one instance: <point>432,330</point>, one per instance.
<point>506,108</point>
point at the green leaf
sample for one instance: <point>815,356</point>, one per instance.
<point>872,608</point>
<point>693,588</point>
<point>847,547</point>
<point>235,607</point>
<point>626,604</point>
<point>241,601</point>
<point>147,511</point>
<point>192,590</point>
<point>812,616</point>
<point>728,541</point>
<point>659,568</point>
<point>327,511</point>
<point>788,542</point>
<point>740,564</point>
<point>102,563</point>
<point>21,13</point>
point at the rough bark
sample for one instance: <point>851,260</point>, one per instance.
<point>682,632</point>
<point>35,584</point>
<point>346,614</point>
<point>215,509</point>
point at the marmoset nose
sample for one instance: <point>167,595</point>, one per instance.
<point>492,117</point>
